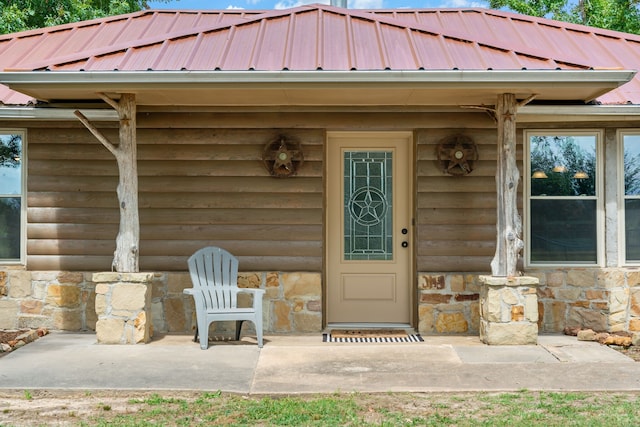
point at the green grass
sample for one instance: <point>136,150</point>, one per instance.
<point>522,408</point>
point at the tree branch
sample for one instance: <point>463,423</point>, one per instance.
<point>103,140</point>
<point>108,100</point>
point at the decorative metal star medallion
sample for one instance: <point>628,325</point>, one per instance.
<point>368,206</point>
<point>282,158</point>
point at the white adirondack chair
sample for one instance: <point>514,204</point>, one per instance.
<point>214,275</point>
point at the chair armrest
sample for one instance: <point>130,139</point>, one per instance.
<point>188,291</point>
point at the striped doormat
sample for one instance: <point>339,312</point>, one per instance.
<point>370,335</point>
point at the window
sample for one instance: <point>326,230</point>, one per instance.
<point>630,180</point>
<point>564,198</point>
<point>11,195</point>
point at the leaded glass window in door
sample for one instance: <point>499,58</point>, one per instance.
<point>368,203</point>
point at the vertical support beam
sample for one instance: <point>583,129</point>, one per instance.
<point>509,225</point>
<point>125,258</point>
<point>611,198</point>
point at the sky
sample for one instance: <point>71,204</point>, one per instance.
<point>282,4</point>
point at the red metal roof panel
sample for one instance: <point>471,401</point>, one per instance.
<point>324,38</point>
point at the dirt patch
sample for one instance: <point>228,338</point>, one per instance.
<point>632,352</point>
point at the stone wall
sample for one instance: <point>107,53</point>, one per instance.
<point>602,299</point>
<point>51,299</point>
<point>66,301</point>
<point>448,303</point>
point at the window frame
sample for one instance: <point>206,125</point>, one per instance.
<point>599,196</point>
<point>622,198</point>
<point>23,198</point>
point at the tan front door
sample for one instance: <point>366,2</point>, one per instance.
<point>369,235</point>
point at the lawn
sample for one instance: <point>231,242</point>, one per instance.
<point>523,408</point>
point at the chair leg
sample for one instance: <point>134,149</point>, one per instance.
<point>258,324</point>
<point>203,333</point>
<point>238,329</point>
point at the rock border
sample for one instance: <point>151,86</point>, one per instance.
<point>23,338</point>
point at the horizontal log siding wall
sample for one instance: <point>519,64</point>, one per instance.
<point>198,187</point>
<point>456,215</point>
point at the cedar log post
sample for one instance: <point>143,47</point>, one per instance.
<point>509,224</point>
<point>125,259</point>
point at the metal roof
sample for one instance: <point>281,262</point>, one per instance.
<point>319,38</point>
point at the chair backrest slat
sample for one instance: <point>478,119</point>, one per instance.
<point>215,272</point>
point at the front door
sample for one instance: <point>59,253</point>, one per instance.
<point>369,233</point>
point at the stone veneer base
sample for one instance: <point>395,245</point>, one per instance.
<point>508,310</point>
<point>123,306</point>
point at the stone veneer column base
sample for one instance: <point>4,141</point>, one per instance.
<point>123,306</point>
<point>508,310</point>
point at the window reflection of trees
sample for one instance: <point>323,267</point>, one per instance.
<point>631,160</point>
<point>10,159</point>
<point>631,173</point>
<point>561,158</point>
<point>563,222</point>
<point>10,150</point>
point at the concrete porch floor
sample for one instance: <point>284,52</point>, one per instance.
<point>292,364</point>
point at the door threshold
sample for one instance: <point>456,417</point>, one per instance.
<point>369,325</point>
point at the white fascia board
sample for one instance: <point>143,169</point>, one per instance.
<point>36,113</point>
<point>580,110</point>
<point>230,78</point>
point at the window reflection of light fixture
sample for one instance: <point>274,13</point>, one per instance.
<point>559,168</point>
<point>16,158</point>
<point>581,175</point>
<point>539,175</point>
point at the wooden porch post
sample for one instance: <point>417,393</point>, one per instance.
<point>125,258</point>
<point>509,224</point>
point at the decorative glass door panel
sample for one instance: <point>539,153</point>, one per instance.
<point>368,205</point>
<point>368,216</point>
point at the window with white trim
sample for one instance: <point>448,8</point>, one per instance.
<point>630,180</point>
<point>11,195</point>
<point>564,198</point>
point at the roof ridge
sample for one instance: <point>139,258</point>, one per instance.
<point>371,15</point>
<point>156,39</point>
<point>561,24</point>
<point>480,39</point>
<point>73,25</point>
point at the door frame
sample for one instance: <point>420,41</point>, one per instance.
<point>410,135</point>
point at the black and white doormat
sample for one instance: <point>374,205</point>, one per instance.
<point>371,336</point>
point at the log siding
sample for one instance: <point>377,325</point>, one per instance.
<point>198,187</point>
<point>456,215</point>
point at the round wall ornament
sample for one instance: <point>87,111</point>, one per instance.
<point>282,157</point>
<point>457,155</point>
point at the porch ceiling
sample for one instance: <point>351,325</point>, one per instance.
<point>317,88</point>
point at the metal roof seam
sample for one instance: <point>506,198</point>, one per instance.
<point>319,60</point>
<point>353,59</point>
<point>225,52</point>
<point>414,50</point>
<point>386,63</point>
<point>160,54</point>
<point>254,57</point>
<point>191,57</point>
<point>288,52</point>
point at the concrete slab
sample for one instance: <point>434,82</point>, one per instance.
<point>569,349</point>
<point>75,361</point>
<point>504,354</point>
<point>330,367</point>
<point>304,364</point>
